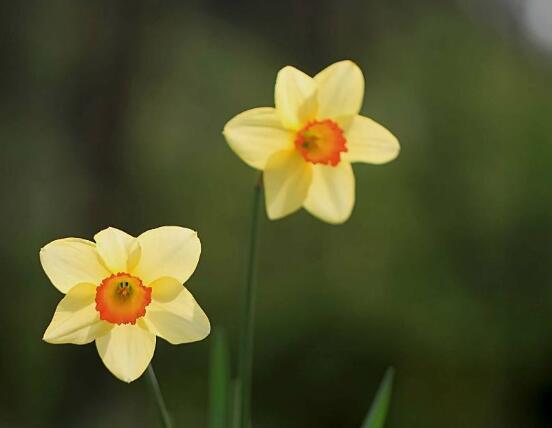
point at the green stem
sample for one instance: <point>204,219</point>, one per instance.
<point>245,363</point>
<point>159,398</point>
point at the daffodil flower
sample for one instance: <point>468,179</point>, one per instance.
<point>306,144</point>
<point>122,292</point>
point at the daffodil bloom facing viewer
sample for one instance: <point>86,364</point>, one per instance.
<point>123,292</point>
<point>306,144</point>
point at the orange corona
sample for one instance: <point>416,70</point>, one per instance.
<point>122,299</point>
<point>321,142</point>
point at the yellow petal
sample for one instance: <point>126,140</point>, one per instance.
<point>332,192</point>
<point>126,350</point>
<point>174,315</point>
<point>119,251</point>
<point>368,141</point>
<point>71,261</point>
<point>340,90</point>
<point>167,251</point>
<point>256,134</point>
<point>295,97</point>
<point>76,319</point>
<point>287,177</point>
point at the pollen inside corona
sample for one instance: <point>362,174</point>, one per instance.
<point>122,299</point>
<point>321,142</point>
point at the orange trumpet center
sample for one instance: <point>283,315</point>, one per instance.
<point>122,299</point>
<point>321,142</point>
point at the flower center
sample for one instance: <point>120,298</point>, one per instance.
<point>122,299</point>
<point>321,142</point>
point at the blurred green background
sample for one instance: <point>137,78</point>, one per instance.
<point>111,114</point>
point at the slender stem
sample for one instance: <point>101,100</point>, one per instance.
<point>159,398</point>
<point>245,363</point>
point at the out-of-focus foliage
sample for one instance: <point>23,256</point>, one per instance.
<point>111,114</point>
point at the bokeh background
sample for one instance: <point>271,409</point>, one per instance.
<point>111,114</point>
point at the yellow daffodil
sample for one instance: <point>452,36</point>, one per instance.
<point>123,291</point>
<point>306,144</point>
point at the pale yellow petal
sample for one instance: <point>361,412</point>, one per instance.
<point>368,141</point>
<point>119,250</point>
<point>295,97</point>
<point>71,261</point>
<point>76,319</point>
<point>126,350</point>
<point>332,192</point>
<point>167,251</point>
<point>340,90</point>
<point>174,315</point>
<point>256,134</point>
<point>287,178</point>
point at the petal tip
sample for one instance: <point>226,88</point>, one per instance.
<point>48,337</point>
<point>286,68</point>
<point>333,221</point>
<point>207,331</point>
<point>349,62</point>
<point>104,230</point>
<point>271,216</point>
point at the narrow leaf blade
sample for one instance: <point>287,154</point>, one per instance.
<point>378,411</point>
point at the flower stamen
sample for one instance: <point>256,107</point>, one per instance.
<point>122,299</point>
<point>321,142</point>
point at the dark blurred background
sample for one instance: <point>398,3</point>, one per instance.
<point>111,114</point>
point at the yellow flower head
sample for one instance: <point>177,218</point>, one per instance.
<point>305,146</point>
<point>123,291</point>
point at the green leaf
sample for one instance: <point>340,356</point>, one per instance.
<point>219,369</point>
<point>378,411</point>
